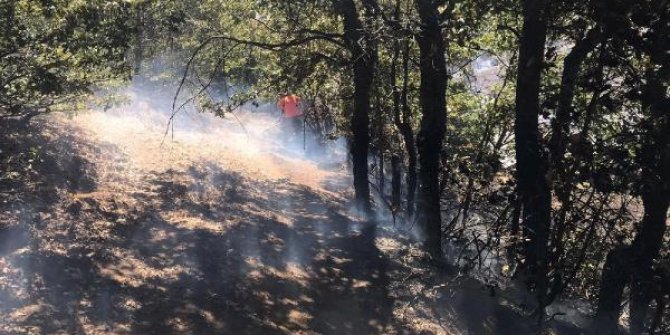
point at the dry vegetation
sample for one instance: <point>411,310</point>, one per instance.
<point>115,232</point>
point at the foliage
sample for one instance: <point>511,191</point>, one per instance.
<point>53,52</point>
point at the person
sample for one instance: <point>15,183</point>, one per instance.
<point>291,109</point>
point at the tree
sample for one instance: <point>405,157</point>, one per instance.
<point>53,53</point>
<point>433,122</point>
<point>363,51</point>
<point>402,112</point>
<point>531,168</point>
<point>634,265</point>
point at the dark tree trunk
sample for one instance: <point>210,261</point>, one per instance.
<point>531,168</point>
<point>633,265</point>
<point>382,145</point>
<point>396,160</point>
<point>404,123</point>
<point>395,181</point>
<point>562,175</point>
<point>571,67</point>
<point>615,277</point>
<point>408,137</point>
<point>382,177</point>
<point>654,157</point>
<point>433,123</point>
<point>363,56</point>
<point>516,216</point>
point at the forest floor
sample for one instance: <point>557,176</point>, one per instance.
<point>107,227</point>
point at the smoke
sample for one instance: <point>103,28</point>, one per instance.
<point>253,129</point>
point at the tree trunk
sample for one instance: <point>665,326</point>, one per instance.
<point>654,157</point>
<point>404,123</point>
<point>655,160</point>
<point>382,177</point>
<point>561,124</point>
<point>395,181</point>
<point>363,57</point>
<point>396,160</point>
<point>562,175</point>
<point>410,143</point>
<point>635,264</point>
<point>432,97</point>
<point>531,170</point>
<point>616,274</point>
<point>571,66</point>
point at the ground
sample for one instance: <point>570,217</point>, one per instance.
<point>110,227</point>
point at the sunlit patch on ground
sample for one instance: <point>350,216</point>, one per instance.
<point>254,147</point>
<point>133,272</point>
<point>185,220</point>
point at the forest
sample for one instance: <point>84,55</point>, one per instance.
<point>335,167</point>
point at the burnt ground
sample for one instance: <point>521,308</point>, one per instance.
<point>92,244</point>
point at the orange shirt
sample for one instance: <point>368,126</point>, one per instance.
<point>289,106</point>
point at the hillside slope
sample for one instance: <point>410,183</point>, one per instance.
<point>111,228</point>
